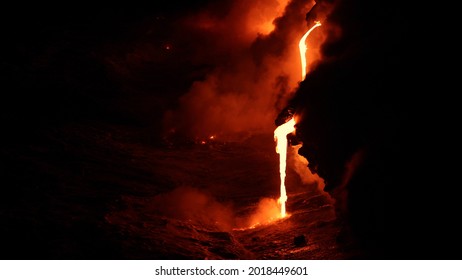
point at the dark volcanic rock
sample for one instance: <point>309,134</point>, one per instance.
<point>300,241</point>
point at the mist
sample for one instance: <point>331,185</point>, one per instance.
<point>201,207</point>
<point>254,67</point>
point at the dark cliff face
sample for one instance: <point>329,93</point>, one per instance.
<point>353,110</point>
<point>377,124</point>
<point>346,138</point>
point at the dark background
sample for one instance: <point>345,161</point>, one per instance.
<point>54,78</point>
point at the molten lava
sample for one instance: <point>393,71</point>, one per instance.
<point>281,132</point>
<point>280,136</point>
<point>302,47</point>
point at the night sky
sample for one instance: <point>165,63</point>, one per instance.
<point>56,63</point>
<point>136,66</point>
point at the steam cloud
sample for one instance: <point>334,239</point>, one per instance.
<point>299,164</point>
<point>254,70</point>
<point>188,203</point>
<point>200,207</point>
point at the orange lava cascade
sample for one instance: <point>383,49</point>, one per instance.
<point>280,136</point>
<point>281,132</point>
<point>302,47</point>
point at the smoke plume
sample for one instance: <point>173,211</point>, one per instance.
<point>202,208</point>
<point>251,51</point>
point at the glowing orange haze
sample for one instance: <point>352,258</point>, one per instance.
<point>261,17</point>
<point>252,51</point>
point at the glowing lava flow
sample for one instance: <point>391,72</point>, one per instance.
<point>302,47</point>
<point>280,136</point>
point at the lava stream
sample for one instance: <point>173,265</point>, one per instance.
<point>280,136</point>
<point>281,132</point>
<point>302,47</point>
